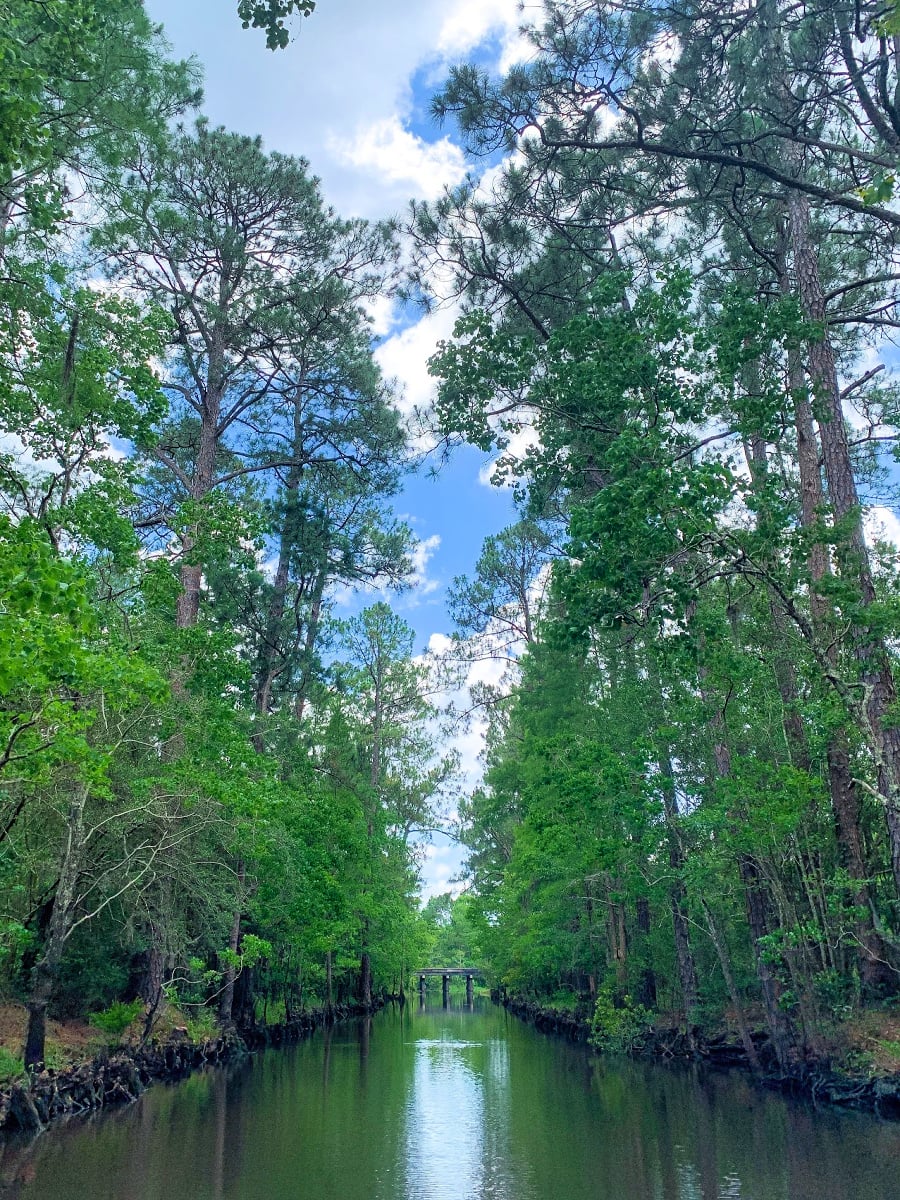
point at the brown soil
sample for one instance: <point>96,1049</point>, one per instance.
<point>69,1041</point>
<point>874,1040</point>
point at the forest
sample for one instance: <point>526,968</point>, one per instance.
<point>675,272</point>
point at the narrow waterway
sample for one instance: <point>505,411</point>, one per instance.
<point>457,1105</point>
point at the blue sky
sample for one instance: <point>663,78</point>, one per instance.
<point>351,94</point>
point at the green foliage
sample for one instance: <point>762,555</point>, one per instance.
<point>617,1023</point>
<point>10,1065</point>
<point>452,931</point>
<point>149,789</point>
<point>210,786</point>
<point>647,766</point>
<point>201,1024</point>
<point>95,971</point>
<point>837,993</point>
<point>15,940</point>
<point>271,15</point>
<point>254,949</point>
<point>114,1020</point>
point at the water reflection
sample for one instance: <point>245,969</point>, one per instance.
<point>447,1104</point>
<point>444,1119</point>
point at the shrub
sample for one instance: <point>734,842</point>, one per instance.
<point>202,1024</point>
<point>618,1024</point>
<point>114,1020</point>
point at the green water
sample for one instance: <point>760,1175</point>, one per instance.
<point>448,1105</point>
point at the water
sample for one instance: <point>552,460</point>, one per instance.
<point>457,1105</point>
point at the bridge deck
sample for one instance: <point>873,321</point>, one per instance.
<point>449,971</point>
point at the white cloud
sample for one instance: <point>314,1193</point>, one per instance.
<point>382,312</point>
<point>421,584</point>
<point>350,67</point>
<point>442,863</point>
<point>468,738</point>
<point>863,420</point>
<point>385,149</point>
<point>468,23</point>
<point>343,95</point>
<point>424,550</point>
<point>404,357</point>
<point>882,524</point>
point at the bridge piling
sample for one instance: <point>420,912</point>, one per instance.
<point>446,973</point>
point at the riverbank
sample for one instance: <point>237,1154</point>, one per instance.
<point>818,1079</point>
<point>118,1075</point>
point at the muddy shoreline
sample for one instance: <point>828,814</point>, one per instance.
<point>816,1080</point>
<point>121,1075</point>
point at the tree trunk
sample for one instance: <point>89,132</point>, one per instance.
<point>188,603</point>
<point>684,955</point>
<point>646,992</point>
<point>756,899</point>
<point>617,936</point>
<point>757,903</point>
<point>875,972</point>
<point>312,629</point>
<point>852,552</point>
<point>725,964</point>
<point>46,970</point>
<point>268,669</point>
<point>226,997</point>
<point>365,979</point>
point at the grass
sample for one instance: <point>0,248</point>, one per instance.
<point>10,1065</point>
<point>871,1041</point>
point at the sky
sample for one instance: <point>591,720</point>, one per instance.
<point>351,95</point>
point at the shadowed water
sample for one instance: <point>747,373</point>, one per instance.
<point>452,1105</point>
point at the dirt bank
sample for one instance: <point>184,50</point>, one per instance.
<point>120,1075</point>
<point>816,1078</point>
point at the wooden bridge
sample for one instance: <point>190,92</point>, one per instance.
<point>446,973</point>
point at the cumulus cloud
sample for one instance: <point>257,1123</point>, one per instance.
<point>495,672</point>
<point>440,643</point>
<point>384,148</point>
<point>424,551</point>
<point>382,312</point>
<point>404,357</point>
<point>882,525</point>
<point>469,23</point>
<point>421,584</point>
<point>348,94</point>
<point>442,862</point>
<point>350,68</point>
<point>866,419</point>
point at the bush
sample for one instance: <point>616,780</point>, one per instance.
<point>618,1024</point>
<point>114,1020</point>
<point>837,993</point>
<point>202,1024</point>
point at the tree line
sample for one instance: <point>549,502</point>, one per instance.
<point>678,285</point>
<point>208,782</point>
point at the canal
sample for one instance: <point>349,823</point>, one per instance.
<point>430,1104</point>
